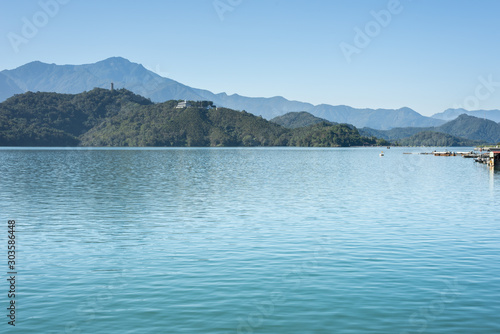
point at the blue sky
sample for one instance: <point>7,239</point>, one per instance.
<point>424,54</point>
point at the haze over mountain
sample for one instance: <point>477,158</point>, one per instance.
<point>464,126</point>
<point>451,114</point>
<point>382,119</point>
<point>73,79</point>
<point>8,87</point>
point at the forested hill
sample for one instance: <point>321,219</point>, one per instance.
<point>432,138</point>
<point>121,118</point>
<point>301,119</point>
<point>51,119</point>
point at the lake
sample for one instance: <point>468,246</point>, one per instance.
<point>250,240</point>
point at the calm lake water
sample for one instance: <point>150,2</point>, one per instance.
<point>266,240</point>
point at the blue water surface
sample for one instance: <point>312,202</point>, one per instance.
<point>250,240</point>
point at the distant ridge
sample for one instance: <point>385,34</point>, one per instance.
<point>451,114</point>
<point>464,126</point>
<point>73,79</point>
<point>382,119</point>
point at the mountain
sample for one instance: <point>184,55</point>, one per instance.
<point>432,138</point>
<point>474,128</point>
<point>451,114</point>
<point>73,79</point>
<point>103,117</point>
<point>395,133</point>
<point>52,119</point>
<point>300,119</point>
<point>464,126</point>
<point>8,87</point>
<point>260,106</point>
<point>382,119</point>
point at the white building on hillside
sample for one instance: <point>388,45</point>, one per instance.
<point>183,104</point>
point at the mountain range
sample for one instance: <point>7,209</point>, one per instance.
<point>465,130</point>
<point>74,79</point>
<point>119,118</point>
<point>464,126</point>
<point>451,114</point>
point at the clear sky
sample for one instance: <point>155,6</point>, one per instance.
<point>428,55</point>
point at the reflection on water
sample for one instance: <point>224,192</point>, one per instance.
<point>273,240</point>
<point>493,171</point>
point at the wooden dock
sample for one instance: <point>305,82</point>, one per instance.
<point>444,154</point>
<point>485,155</point>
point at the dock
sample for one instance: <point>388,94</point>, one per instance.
<point>485,155</point>
<point>444,154</point>
<point>494,159</point>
